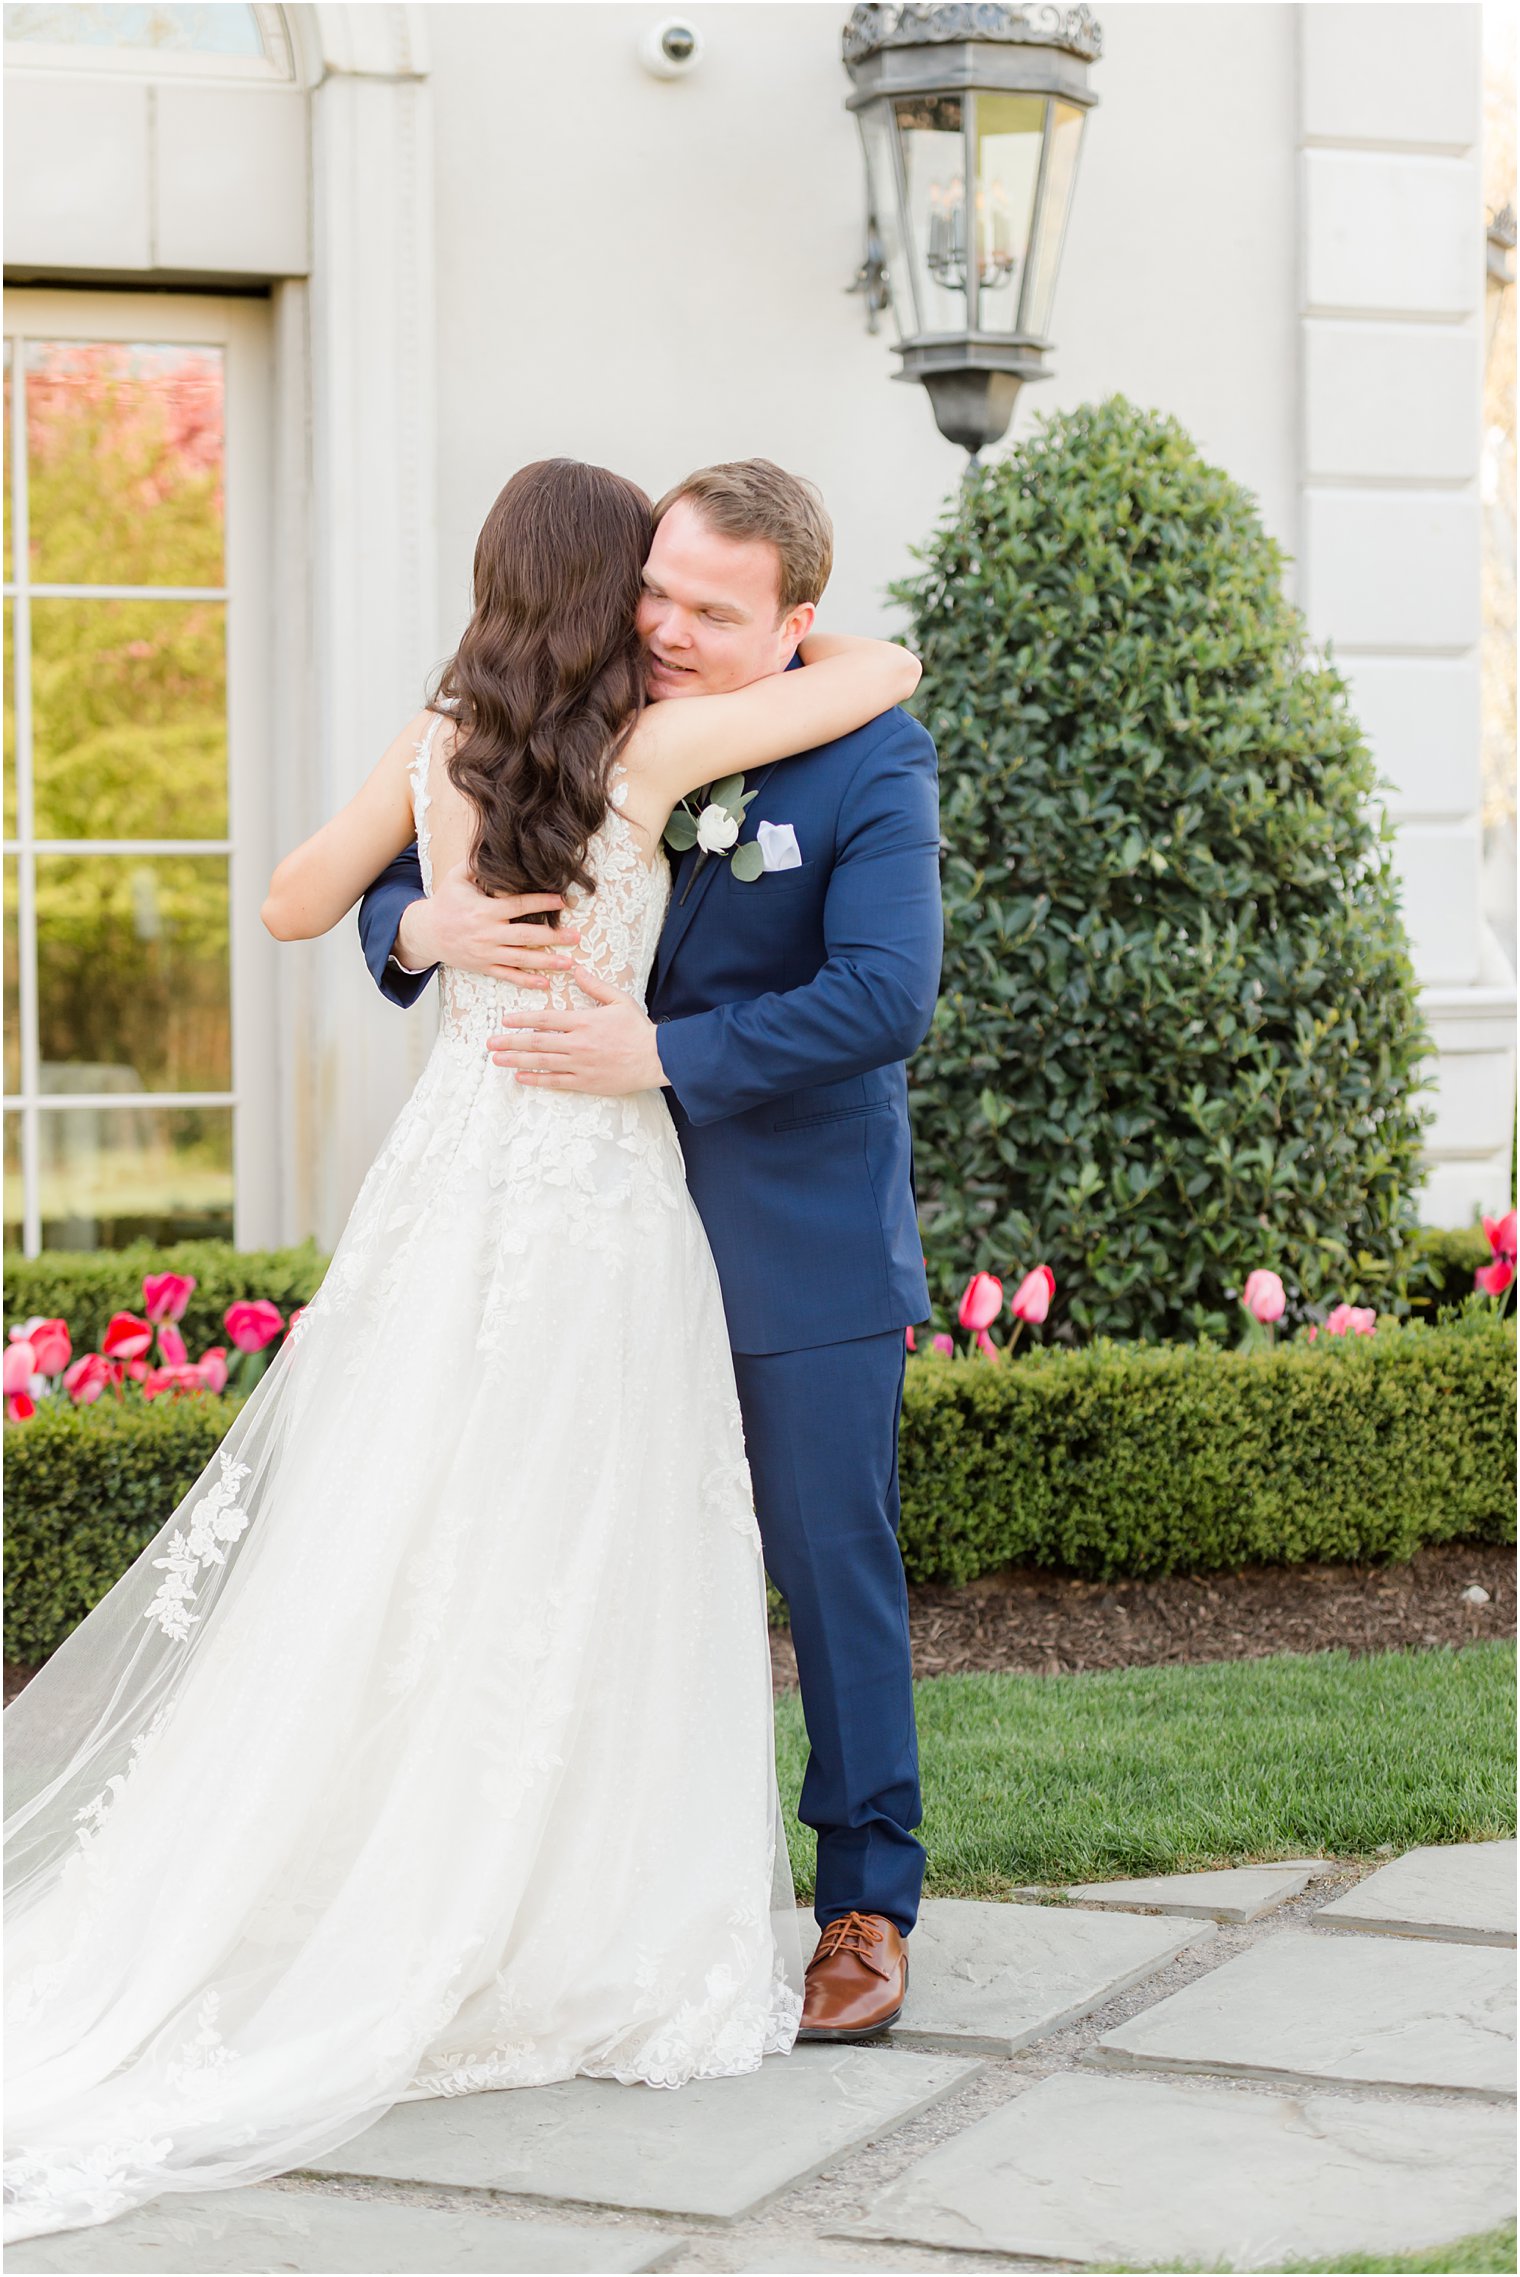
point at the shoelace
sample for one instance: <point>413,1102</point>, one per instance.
<point>851,1933</point>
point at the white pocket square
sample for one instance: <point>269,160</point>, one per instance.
<point>779,849</point>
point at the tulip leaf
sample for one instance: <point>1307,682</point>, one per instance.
<point>747,861</point>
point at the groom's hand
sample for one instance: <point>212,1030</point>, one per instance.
<point>482,932</point>
<point>611,1049</point>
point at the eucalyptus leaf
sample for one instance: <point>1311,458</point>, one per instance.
<point>680,831</point>
<point>746,861</point>
<point>729,792</point>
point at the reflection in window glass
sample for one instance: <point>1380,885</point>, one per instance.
<point>934,166</point>
<point>13,1195</point>
<point>111,1175</point>
<point>12,979</point>
<point>10,728</point>
<point>134,977</point>
<point>1010,132</point>
<point>125,453</point>
<point>1060,177</point>
<point>220,29</point>
<point>129,719</point>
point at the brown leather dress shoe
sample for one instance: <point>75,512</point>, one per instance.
<point>857,1979</point>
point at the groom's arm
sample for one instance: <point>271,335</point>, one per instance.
<point>871,1003</point>
<point>380,915</point>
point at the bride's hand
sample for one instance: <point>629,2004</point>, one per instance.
<point>481,932</point>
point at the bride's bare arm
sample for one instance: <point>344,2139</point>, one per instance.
<point>677,746</point>
<point>315,887</point>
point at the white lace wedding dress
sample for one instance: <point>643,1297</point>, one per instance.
<point>428,1748</point>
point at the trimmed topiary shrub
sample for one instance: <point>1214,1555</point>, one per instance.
<point>1178,1034</point>
<point>84,1287</point>
<point>1441,1267</point>
<point>1116,1459</point>
<point>86,1489</point>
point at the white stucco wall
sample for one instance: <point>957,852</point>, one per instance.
<point>663,279</point>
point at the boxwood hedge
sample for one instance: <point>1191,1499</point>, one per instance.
<point>1116,1459</point>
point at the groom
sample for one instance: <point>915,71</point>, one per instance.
<point>781,1011</point>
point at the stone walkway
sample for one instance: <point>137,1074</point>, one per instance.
<point>1233,2069</point>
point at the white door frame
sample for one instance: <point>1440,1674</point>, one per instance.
<point>240,327</point>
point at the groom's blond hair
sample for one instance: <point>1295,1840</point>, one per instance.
<point>756,500</point>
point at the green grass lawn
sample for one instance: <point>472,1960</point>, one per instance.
<point>1159,1770</point>
<point>1483,2250</point>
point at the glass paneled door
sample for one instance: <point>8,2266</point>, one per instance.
<point>136,768</point>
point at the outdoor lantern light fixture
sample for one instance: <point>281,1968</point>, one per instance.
<point>971,116</point>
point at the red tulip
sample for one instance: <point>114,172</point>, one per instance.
<point>1351,1320</point>
<point>1501,1237</point>
<point>136,1371</point>
<point>945,1345</point>
<point>211,1367</point>
<point>87,1378</point>
<point>126,1337</point>
<point>1031,1299</point>
<point>912,1341</point>
<point>1264,1296</point>
<point>252,1323</point>
<point>21,1407</point>
<point>20,1366</point>
<point>982,1301</point>
<point>165,1295</point>
<point>171,1346</point>
<point>1494,1279</point>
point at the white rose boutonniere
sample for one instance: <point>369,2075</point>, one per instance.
<point>711,820</point>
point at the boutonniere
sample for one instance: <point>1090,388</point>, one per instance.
<point>711,820</point>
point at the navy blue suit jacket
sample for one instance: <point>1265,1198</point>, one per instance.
<point>787,1008</point>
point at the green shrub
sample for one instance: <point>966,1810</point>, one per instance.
<point>1116,1459</point>
<point>87,1488</point>
<point>1442,1264</point>
<point>1135,1459</point>
<point>1178,1034</point>
<point>84,1287</point>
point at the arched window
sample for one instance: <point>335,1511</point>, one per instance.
<point>220,40</point>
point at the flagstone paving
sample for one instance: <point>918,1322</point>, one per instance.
<point>997,1978</point>
<point>1363,2010</point>
<point>206,2233</point>
<point>1462,1891</point>
<point>716,2147</point>
<point>1235,1893</point>
<point>1090,2144</point>
<point>1108,2170</point>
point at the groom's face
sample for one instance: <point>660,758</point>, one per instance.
<point>710,618</point>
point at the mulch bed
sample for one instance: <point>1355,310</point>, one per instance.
<point>1045,1624</point>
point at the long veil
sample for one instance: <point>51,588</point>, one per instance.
<point>416,1704</point>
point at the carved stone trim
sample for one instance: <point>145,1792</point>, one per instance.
<point>877,24</point>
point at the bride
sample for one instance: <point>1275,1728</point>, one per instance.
<point>428,1748</point>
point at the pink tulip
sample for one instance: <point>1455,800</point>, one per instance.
<point>986,1347</point>
<point>1494,1279</point>
<point>50,1341</point>
<point>20,1366</point>
<point>1263,1296</point>
<point>171,1346</point>
<point>136,1371</point>
<point>982,1301</point>
<point>174,1380</point>
<point>165,1295</point>
<point>912,1341</point>
<point>1501,1237</point>
<point>1351,1320</point>
<point>21,1407</point>
<point>1031,1299</point>
<point>945,1346</point>
<point>87,1378</point>
<point>211,1367</point>
<point>252,1323</point>
<point>126,1337</point>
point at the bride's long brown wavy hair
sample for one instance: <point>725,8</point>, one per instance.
<point>548,677</point>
